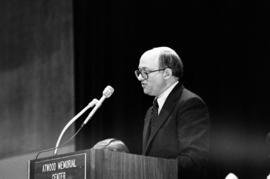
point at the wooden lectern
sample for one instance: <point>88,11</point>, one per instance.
<point>102,164</point>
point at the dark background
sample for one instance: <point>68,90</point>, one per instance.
<point>225,49</point>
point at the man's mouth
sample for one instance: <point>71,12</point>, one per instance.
<point>143,85</point>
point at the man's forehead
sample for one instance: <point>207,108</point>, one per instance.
<point>151,53</point>
<point>149,59</point>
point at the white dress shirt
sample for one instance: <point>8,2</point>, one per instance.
<point>162,98</point>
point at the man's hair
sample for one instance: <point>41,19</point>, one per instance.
<point>168,58</point>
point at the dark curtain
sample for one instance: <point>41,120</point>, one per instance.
<point>225,49</point>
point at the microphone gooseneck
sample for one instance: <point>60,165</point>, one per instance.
<point>107,92</point>
<point>91,104</point>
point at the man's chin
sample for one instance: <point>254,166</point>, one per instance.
<point>147,92</point>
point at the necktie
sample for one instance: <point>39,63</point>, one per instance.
<point>154,110</point>
<point>154,115</point>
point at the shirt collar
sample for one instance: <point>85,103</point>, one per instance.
<point>162,98</point>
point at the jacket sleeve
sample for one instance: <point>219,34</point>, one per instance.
<point>193,126</point>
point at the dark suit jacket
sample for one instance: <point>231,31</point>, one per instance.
<point>181,131</point>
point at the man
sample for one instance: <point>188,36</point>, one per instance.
<point>177,125</point>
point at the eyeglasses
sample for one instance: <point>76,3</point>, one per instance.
<point>145,73</point>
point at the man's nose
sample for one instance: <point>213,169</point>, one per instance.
<point>140,78</point>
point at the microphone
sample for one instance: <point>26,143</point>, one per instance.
<point>231,176</point>
<point>107,92</point>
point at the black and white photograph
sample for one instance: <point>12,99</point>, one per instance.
<point>135,89</point>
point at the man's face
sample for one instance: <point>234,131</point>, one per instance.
<point>154,83</point>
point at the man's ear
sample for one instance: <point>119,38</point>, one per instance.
<point>167,73</point>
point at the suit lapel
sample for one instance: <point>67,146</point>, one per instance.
<point>146,129</point>
<point>163,116</point>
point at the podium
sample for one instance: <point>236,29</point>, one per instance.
<point>102,164</point>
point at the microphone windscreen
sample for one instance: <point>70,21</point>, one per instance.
<point>108,91</point>
<point>231,176</point>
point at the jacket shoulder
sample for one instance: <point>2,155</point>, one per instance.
<point>188,95</point>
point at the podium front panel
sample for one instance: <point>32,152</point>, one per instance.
<point>102,164</point>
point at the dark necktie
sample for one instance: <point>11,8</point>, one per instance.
<point>154,115</point>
